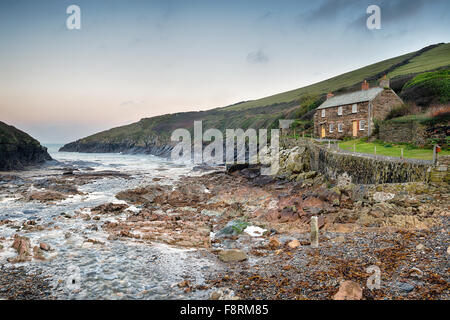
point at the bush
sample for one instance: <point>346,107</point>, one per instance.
<point>428,88</point>
<point>403,110</point>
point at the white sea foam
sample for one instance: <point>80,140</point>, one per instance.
<point>254,231</point>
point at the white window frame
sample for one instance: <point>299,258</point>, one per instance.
<point>323,113</point>
<point>363,126</point>
<point>340,111</point>
<point>340,127</point>
<point>355,108</point>
<point>331,127</point>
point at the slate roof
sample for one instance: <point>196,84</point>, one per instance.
<point>350,98</point>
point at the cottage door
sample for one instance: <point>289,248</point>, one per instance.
<point>323,132</point>
<point>355,128</point>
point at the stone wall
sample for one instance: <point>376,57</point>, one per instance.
<point>360,169</point>
<point>366,170</point>
<point>402,132</point>
<point>440,172</point>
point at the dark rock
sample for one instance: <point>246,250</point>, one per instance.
<point>405,287</point>
<point>236,167</point>
<point>18,150</point>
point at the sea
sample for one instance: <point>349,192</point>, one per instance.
<point>118,269</point>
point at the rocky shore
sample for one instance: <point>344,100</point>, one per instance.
<point>256,231</point>
<point>18,150</point>
<point>402,230</point>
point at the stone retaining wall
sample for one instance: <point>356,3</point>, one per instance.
<point>403,132</point>
<point>361,169</point>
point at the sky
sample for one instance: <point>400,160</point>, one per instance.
<point>140,58</point>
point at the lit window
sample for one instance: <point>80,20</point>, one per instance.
<point>340,127</point>
<point>323,113</point>
<point>331,127</point>
<point>362,125</point>
<point>340,111</point>
<point>354,108</point>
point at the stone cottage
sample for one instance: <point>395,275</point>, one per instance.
<point>353,114</point>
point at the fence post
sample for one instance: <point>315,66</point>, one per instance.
<point>402,154</point>
<point>375,151</point>
<point>434,155</point>
<point>354,147</point>
<point>314,232</point>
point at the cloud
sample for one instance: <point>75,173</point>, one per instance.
<point>329,9</point>
<point>392,12</point>
<point>354,11</point>
<point>131,103</point>
<point>264,16</point>
<point>257,57</point>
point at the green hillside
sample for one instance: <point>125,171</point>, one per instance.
<point>263,113</point>
<point>433,59</point>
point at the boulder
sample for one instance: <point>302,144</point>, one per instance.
<point>274,243</point>
<point>420,247</point>
<point>293,244</point>
<point>383,196</point>
<point>38,253</point>
<point>405,287</point>
<point>22,245</point>
<point>44,246</point>
<point>223,294</point>
<point>349,290</point>
<point>231,255</point>
<point>297,161</point>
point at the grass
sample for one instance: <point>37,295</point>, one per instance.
<point>391,150</point>
<point>12,135</point>
<point>430,60</point>
<point>438,82</point>
<point>421,118</point>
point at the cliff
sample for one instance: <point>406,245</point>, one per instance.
<point>18,149</point>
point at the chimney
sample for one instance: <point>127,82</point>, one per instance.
<point>365,85</point>
<point>384,82</point>
<point>329,95</point>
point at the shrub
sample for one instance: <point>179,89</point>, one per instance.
<point>404,110</point>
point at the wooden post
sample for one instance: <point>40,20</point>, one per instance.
<point>402,153</point>
<point>375,151</point>
<point>329,144</point>
<point>314,232</point>
<point>434,155</point>
<point>354,147</point>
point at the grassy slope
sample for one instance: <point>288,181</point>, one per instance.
<point>430,60</point>
<point>11,135</point>
<point>264,112</point>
